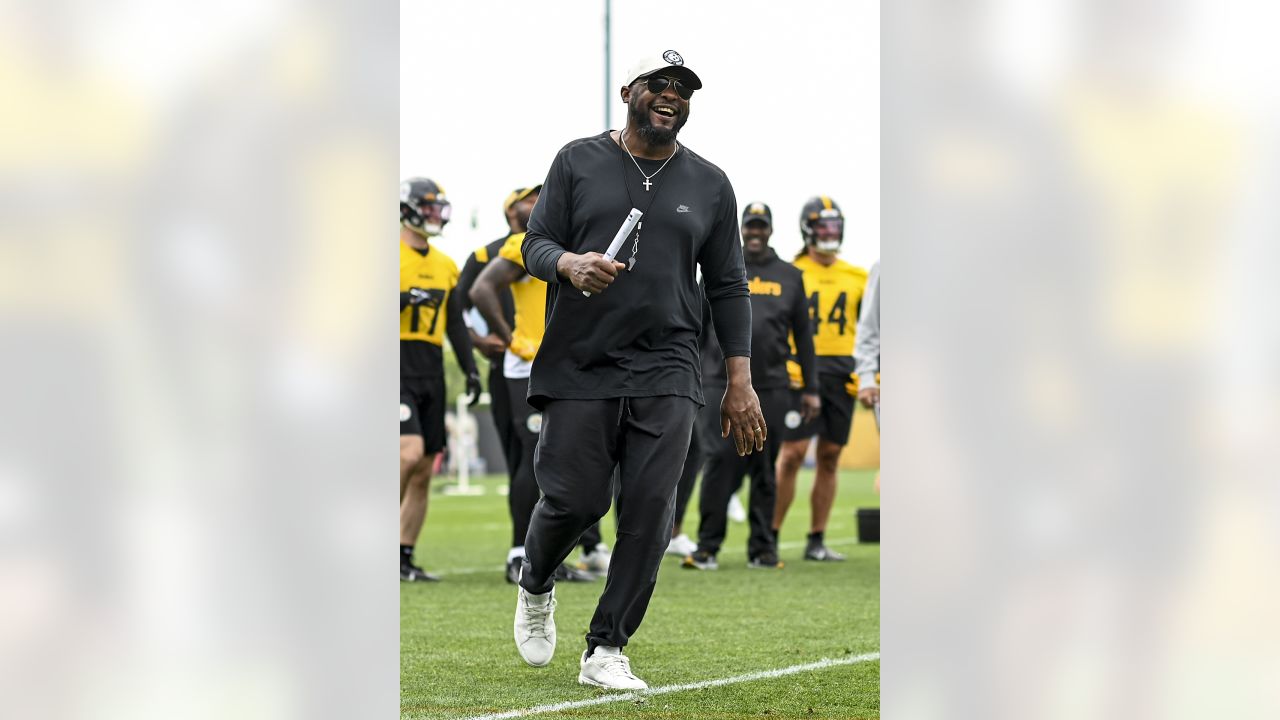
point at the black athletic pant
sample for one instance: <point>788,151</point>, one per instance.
<point>500,409</point>
<point>722,476</point>
<point>582,441</point>
<point>522,493</point>
<point>693,461</point>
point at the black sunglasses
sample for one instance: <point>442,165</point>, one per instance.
<point>658,83</point>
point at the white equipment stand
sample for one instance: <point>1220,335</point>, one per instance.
<point>464,447</point>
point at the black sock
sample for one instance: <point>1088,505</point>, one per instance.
<point>815,538</point>
<point>406,554</point>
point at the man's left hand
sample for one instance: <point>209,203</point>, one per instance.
<point>491,346</point>
<point>740,415</point>
<point>810,406</point>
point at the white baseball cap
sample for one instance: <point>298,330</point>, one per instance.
<point>671,63</point>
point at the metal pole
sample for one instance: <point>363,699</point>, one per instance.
<point>608,12</point>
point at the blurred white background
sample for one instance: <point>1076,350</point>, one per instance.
<point>789,107</point>
<point>1078,458</point>
<point>196,443</point>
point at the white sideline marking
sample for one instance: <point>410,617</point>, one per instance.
<point>795,544</point>
<point>792,545</point>
<point>622,697</point>
<point>474,570</point>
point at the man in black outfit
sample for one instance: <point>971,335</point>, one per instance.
<point>510,414</point>
<point>517,207</point>
<point>617,375</point>
<point>779,310</point>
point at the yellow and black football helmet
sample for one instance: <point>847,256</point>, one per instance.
<point>423,206</point>
<point>822,224</point>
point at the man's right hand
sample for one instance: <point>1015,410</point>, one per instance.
<point>590,272</point>
<point>870,397</point>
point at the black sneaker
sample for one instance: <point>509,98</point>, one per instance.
<point>765,560</point>
<point>818,551</point>
<point>564,573</point>
<point>513,570</point>
<point>413,573</point>
<point>700,560</point>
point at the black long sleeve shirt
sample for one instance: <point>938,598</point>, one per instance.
<point>640,336</point>
<point>779,309</point>
<point>475,263</point>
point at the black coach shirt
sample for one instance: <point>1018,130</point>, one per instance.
<point>779,308</point>
<point>640,336</point>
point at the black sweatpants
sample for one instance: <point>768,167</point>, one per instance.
<point>522,491</point>
<point>722,476</point>
<point>582,441</point>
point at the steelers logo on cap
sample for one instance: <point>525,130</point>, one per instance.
<point>405,412</point>
<point>534,423</point>
<point>673,57</point>
<point>792,419</point>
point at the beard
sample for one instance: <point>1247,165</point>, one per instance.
<point>653,135</point>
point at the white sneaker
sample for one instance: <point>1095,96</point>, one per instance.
<point>596,561</point>
<point>737,513</point>
<point>681,545</point>
<point>609,668</point>
<point>535,628</point>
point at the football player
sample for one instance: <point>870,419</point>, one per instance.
<point>834,289</point>
<point>429,310</point>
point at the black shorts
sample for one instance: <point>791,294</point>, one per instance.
<point>836,418</point>
<point>422,404</point>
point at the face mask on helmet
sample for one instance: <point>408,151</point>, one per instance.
<point>828,234</point>
<point>423,208</point>
<point>434,216</point>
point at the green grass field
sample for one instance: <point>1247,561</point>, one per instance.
<point>458,660</point>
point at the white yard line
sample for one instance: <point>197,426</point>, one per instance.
<point>628,696</point>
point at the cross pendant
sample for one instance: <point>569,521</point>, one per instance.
<point>647,184</point>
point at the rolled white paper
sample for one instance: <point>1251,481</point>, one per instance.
<point>628,225</point>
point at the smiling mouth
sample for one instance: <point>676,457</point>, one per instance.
<point>665,111</point>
